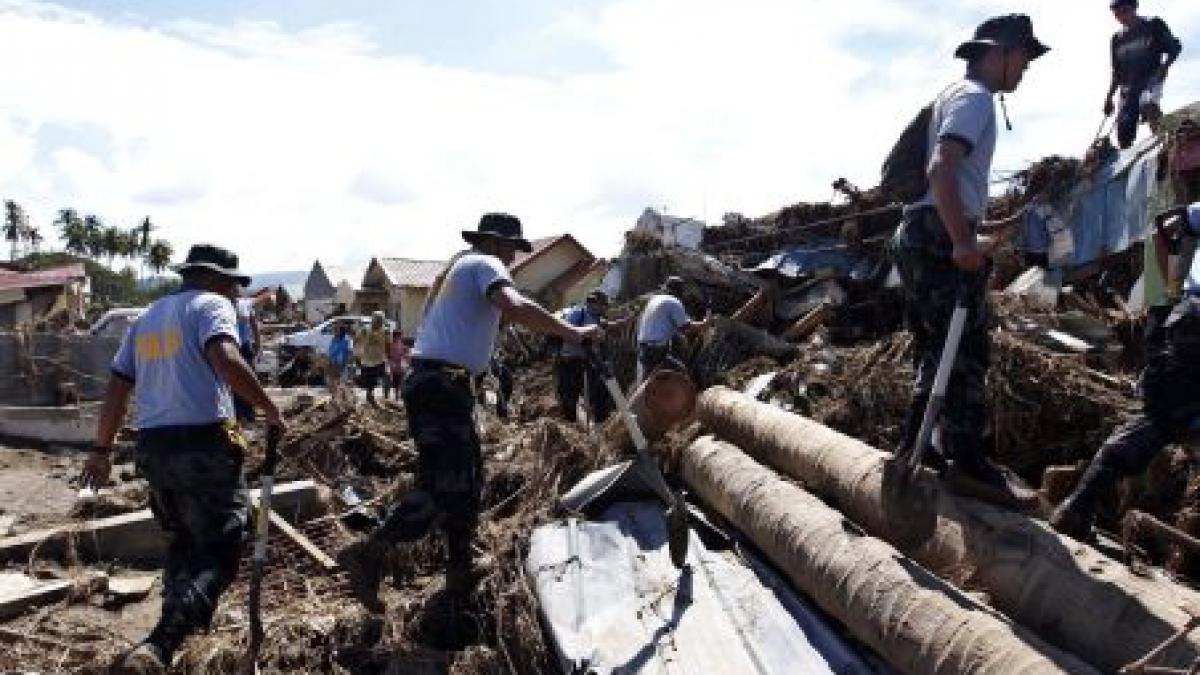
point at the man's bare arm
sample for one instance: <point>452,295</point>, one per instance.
<point>223,355</point>
<point>97,468</point>
<point>517,308</point>
<point>112,411</point>
<point>943,182</point>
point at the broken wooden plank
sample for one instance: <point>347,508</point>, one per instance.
<point>808,323</point>
<point>39,593</point>
<point>303,542</point>
<point>133,536</point>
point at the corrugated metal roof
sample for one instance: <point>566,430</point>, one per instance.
<point>409,273</point>
<point>51,276</point>
<point>614,603</point>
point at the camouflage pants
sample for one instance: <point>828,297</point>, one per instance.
<point>931,287</point>
<point>198,496</point>
<point>449,490</point>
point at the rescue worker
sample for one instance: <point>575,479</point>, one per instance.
<point>936,248</point>
<point>454,345</point>
<point>1169,387</point>
<point>1142,53</point>
<point>180,359</point>
<point>663,318</point>
<point>572,368</point>
<point>370,347</point>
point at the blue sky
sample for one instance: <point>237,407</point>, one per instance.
<point>341,130</point>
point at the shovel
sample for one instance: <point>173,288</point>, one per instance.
<point>629,475</point>
<point>259,559</point>
<point>941,381</point>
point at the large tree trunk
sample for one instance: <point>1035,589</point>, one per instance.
<point>1066,592</point>
<point>916,621</point>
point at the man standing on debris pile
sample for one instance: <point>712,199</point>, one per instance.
<point>936,248</point>
<point>1142,52</point>
<point>181,358</point>
<point>573,368</point>
<point>371,347</point>
<point>453,346</point>
<point>663,317</point>
<point>1169,386</point>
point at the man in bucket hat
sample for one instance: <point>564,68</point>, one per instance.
<point>936,249</point>
<point>454,345</point>
<point>1141,51</point>
<point>663,317</point>
<point>180,359</point>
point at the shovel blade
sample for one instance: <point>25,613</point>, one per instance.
<point>598,489</point>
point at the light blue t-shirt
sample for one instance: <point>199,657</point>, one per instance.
<point>163,355</point>
<point>664,314</point>
<point>1192,285</point>
<point>580,317</point>
<point>461,324</point>
<point>966,113</point>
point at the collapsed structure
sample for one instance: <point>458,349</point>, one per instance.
<point>793,468</point>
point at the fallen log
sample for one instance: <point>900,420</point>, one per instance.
<point>1068,593</point>
<point>917,622</point>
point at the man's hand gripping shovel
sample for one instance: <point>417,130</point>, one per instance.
<point>911,461</point>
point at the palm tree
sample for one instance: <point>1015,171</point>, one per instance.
<point>15,224</point>
<point>158,256</point>
<point>93,237</point>
<point>110,243</point>
<point>72,231</point>
<point>34,235</point>
<point>142,241</point>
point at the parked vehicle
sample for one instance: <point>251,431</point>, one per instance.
<point>115,322</point>
<point>320,336</point>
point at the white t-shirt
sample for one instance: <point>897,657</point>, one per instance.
<point>461,324</point>
<point>966,112</point>
<point>663,316</point>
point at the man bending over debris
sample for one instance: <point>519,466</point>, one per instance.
<point>181,358</point>
<point>662,318</point>
<point>936,247</point>
<point>1170,390</point>
<point>573,368</point>
<point>1142,53</point>
<point>453,346</point>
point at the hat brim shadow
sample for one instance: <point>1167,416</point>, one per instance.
<point>242,279</point>
<point>474,238</point>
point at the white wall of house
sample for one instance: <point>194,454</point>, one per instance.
<point>546,267</point>
<point>412,301</point>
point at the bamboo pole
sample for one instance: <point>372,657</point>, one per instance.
<point>1066,592</point>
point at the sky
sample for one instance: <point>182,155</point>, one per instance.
<point>292,130</point>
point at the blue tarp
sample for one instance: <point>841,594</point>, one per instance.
<point>800,262</point>
<point>1106,214</point>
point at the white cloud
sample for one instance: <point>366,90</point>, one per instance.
<point>292,145</point>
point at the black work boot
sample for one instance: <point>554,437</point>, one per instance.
<point>1077,513</point>
<point>364,561</point>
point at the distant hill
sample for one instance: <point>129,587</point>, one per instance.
<point>292,281</point>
